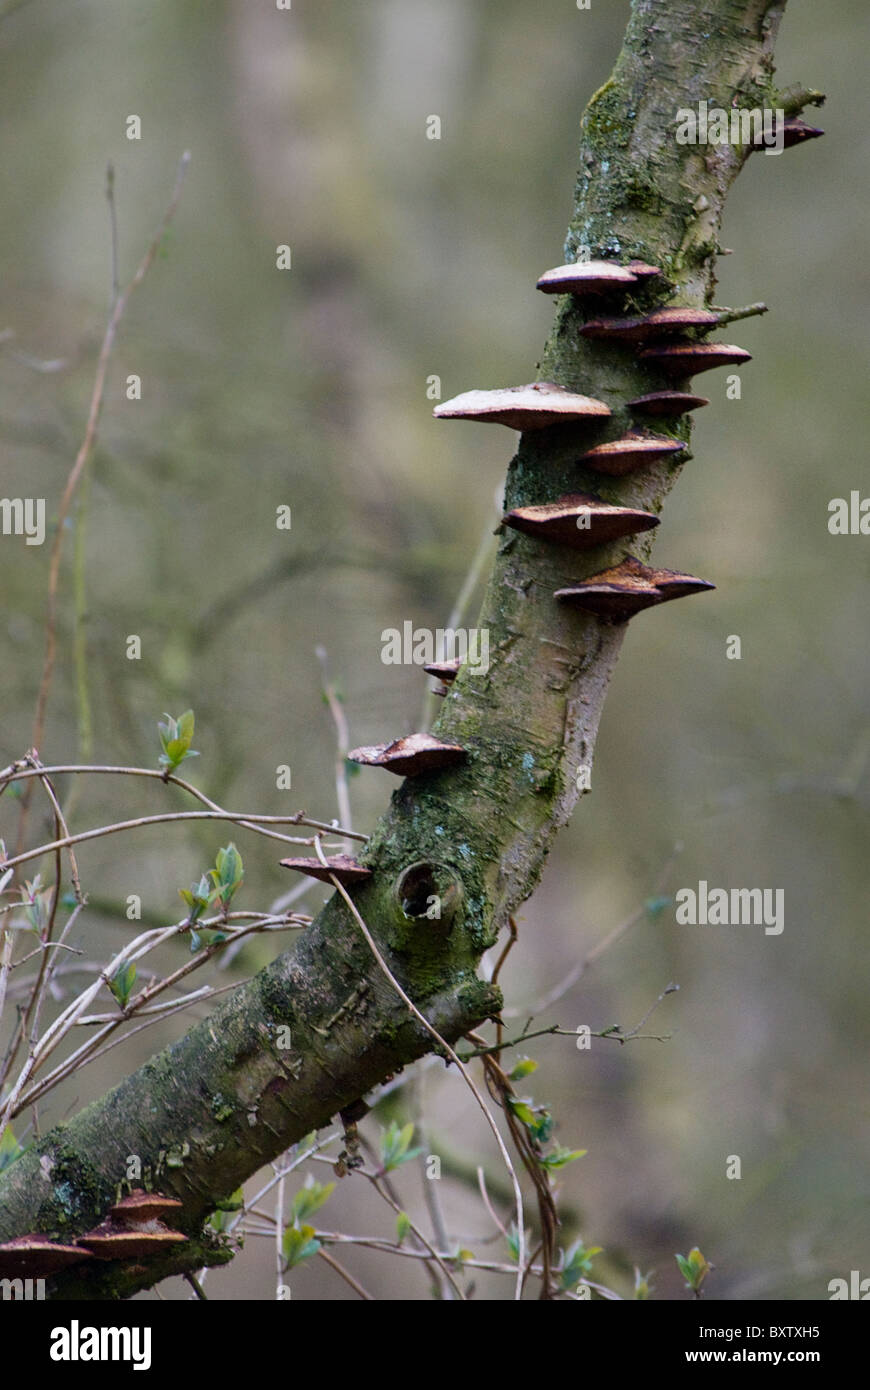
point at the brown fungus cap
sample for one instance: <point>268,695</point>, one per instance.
<point>687,359</point>
<point>115,1241</point>
<point>411,756</point>
<point>446,671</point>
<point>340,866</point>
<point>630,452</point>
<point>521,407</point>
<point>36,1257</point>
<point>580,520</point>
<point>141,1206</point>
<point>594,277</point>
<point>628,588</point>
<point>667,404</point>
<point>794,132</point>
<point>676,319</point>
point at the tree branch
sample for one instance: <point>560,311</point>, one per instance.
<point>234,1092</point>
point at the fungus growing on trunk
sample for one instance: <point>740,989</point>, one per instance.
<point>339,866</point>
<point>687,359</point>
<point>628,588</point>
<point>35,1257</point>
<point>411,756</point>
<point>667,404</point>
<point>114,1240</point>
<point>580,520</point>
<point>445,671</point>
<point>529,407</point>
<point>631,451</point>
<point>669,320</point>
<point>594,277</point>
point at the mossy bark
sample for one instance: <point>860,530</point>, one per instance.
<point>208,1112</point>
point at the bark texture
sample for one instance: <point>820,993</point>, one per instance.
<point>227,1098</point>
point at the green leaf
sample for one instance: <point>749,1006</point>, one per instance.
<point>694,1268</point>
<point>310,1198</point>
<point>234,1202</point>
<point>522,1109</point>
<point>394,1146</point>
<point>175,739</point>
<point>226,876</point>
<point>542,1127</point>
<point>36,903</point>
<point>560,1157</point>
<point>185,727</point>
<point>656,906</point>
<point>403,1226</point>
<point>10,1149</point>
<point>524,1067</point>
<point>121,983</point>
<point>298,1244</point>
<point>578,1263</point>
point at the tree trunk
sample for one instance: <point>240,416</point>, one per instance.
<point>229,1097</point>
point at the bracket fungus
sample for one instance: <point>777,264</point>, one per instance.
<point>676,319</point>
<point>687,359</point>
<point>445,671</point>
<point>594,277</point>
<point>411,756</point>
<point>580,520</point>
<point>529,407</point>
<point>340,867</point>
<point>628,588</point>
<point>135,1227</point>
<point>667,404</point>
<point>794,132</point>
<point>631,451</point>
<point>114,1240</point>
<point>35,1257</point>
<point>141,1207</point>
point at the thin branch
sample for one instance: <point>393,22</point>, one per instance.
<point>412,1007</point>
<point>119,305</point>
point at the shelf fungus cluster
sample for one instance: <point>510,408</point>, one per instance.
<point>412,756</point>
<point>668,339</point>
<point>137,1226</point>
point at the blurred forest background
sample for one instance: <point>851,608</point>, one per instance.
<point>414,257</point>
